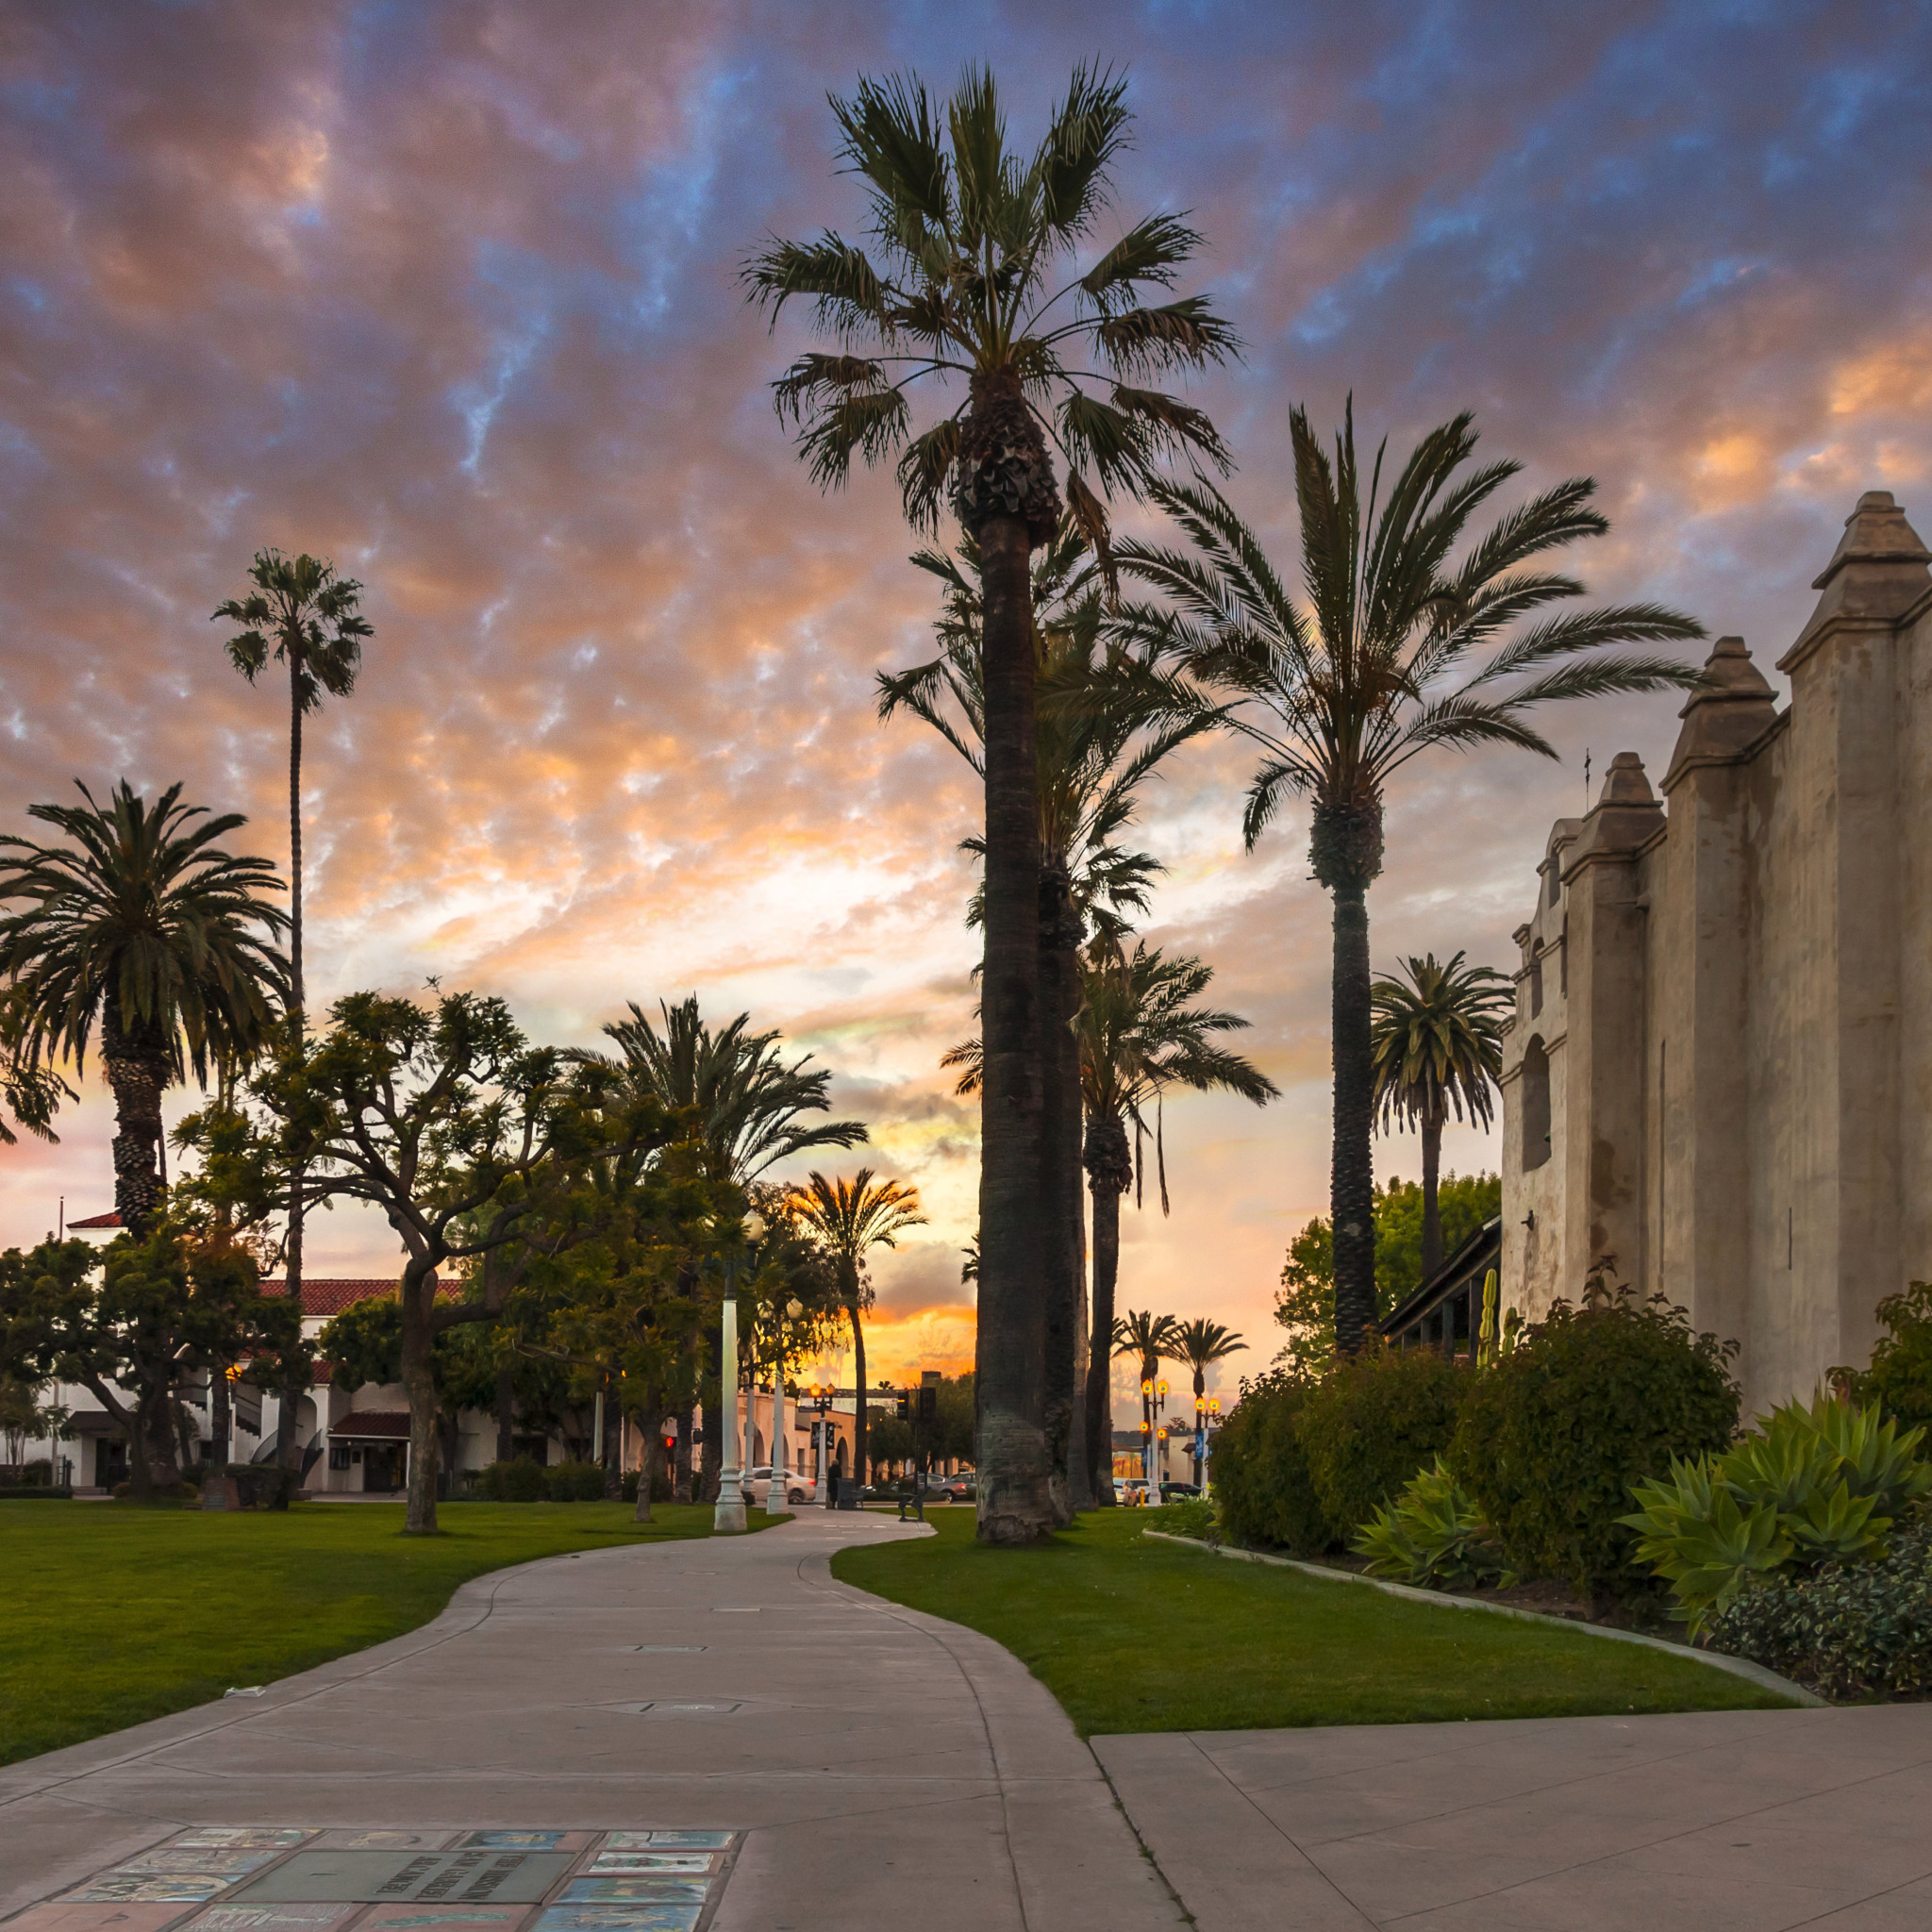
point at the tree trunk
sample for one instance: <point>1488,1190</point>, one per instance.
<point>1110,1171</point>
<point>286,1406</point>
<point>136,1071</point>
<point>717,1433</point>
<point>506,1414</point>
<point>1432,1212</point>
<point>610,1451</point>
<point>1015,1229</point>
<point>1060,1001</point>
<point>651,1420</point>
<point>860,1415</point>
<point>419,1383</point>
<point>1352,1177</point>
<point>223,1415</point>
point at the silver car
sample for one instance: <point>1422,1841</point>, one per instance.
<point>758,1487</point>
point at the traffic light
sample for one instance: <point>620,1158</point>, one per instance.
<point>904,1405</point>
<point>928,1404</point>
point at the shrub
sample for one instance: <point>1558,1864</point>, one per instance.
<point>263,1484</point>
<point>1812,1486</point>
<point>1900,1377</point>
<point>1432,1536</point>
<point>574,1482</point>
<point>520,1481</point>
<point>1848,1630</point>
<point>1262,1489</point>
<point>1188,1516</point>
<point>1371,1423</point>
<point>1590,1401</point>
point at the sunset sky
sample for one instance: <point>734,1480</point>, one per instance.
<point>446,292</point>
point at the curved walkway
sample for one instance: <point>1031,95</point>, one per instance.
<point>890,1770</point>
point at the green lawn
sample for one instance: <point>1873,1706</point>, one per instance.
<point>1137,1635</point>
<point>110,1614</point>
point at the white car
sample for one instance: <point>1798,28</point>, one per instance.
<point>799,1486</point>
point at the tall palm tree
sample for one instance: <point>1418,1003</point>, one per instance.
<point>1141,1033</point>
<point>143,926</point>
<point>1201,1344</point>
<point>969,238</point>
<point>1437,1041</point>
<point>310,619</point>
<point>851,1217</point>
<point>1090,763</point>
<point>1381,667</point>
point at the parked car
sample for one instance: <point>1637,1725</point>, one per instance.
<point>1172,1492</point>
<point>1131,1492</point>
<point>952,1489</point>
<point>758,1486</point>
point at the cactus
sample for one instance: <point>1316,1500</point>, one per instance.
<point>1486,1349</point>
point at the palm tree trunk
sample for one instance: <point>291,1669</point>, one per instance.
<point>859,1419</point>
<point>1109,1169</point>
<point>287,1409</point>
<point>1352,1180</point>
<point>1059,996</point>
<point>418,1384</point>
<point>137,1073</point>
<point>651,1420</point>
<point>1432,1213</point>
<point>610,1451</point>
<point>1015,1499</point>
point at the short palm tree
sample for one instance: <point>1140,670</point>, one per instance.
<point>1201,1344</point>
<point>143,926</point>
<point>1437,1040</point>
<point>851,1217</point>
<point>750,1102</point>
<point>969,237</point>
<point>1149,1336</point>
<point>1402,649</point>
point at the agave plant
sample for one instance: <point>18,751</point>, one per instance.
<point>1432,1536</point>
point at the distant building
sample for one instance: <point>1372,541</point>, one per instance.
<point>1720,1068</point>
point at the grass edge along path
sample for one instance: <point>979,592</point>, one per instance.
<point>111,1614</point>
<point>1131,1634</point>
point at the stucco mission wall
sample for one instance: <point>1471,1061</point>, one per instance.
<point>1727,993</point>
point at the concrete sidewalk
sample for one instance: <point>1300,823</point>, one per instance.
<point>889,1770</point>
<point>1750,1820</point>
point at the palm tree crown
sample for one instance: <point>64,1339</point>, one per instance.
<point>1437,1040</point>
<point>750,1102</point>
<point>140,924</point>
<point>967,235</point>
<point>851,1217</point>
<point>1201,1344</point>
<point>1142,1333</point>
<point>1401,648</point>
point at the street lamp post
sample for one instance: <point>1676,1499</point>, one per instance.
<point>775,1498</point>
<point>727,1519</point>
<point>1153,1402</point>
<point>1207,1417</point>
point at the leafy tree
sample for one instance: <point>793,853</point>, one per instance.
<point>1900,1377</point>
<point>1379,668</point>
<point>310,618</point>
<point>475,1145</point>
<point>29,1090</point>
<point>851,1217</point>
<point>140,924</point>
<point>129,1321</point>
<point>969,238</point>
<point>24,1417</point>
<point>1305,1304</point>
<point>1201,1344</point>
<point>1437,1045</point>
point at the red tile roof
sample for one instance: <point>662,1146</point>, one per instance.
<point>322,1297</point>
<point>372,1424</point>
<point>110,1219</point>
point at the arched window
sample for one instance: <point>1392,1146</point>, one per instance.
<point>1536,1105</point>
<point>1536,983</point>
